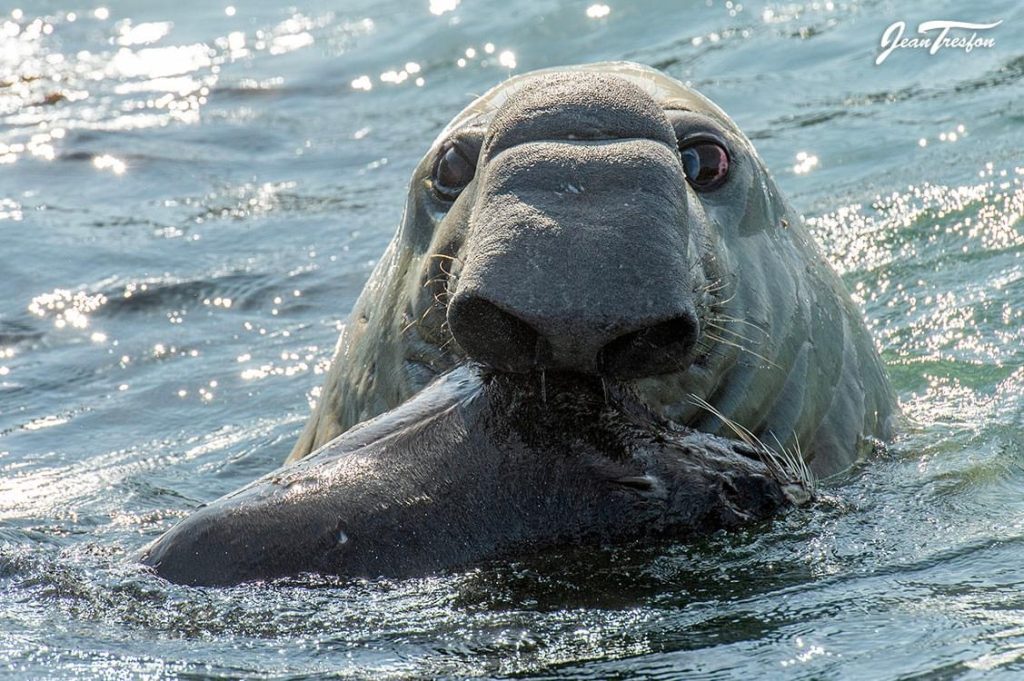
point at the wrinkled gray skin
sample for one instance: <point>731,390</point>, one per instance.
<point>579,230</point>
<point>606,329</point>
<point>471,468</point>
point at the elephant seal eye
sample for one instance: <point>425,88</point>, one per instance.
<point>453,172</point>
<point>705,163</point>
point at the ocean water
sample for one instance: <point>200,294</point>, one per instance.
<point>193,193</point>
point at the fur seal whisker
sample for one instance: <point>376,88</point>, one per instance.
<point>780,461</point>
<point>738,342</point>
<point>444,256</point>
<point>435,280</point>
<point>725,301</point>
<point>794,461</point>
<point>416,322</point>
<point>715,285</point>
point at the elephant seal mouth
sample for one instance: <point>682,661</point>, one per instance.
<point>611,416</point>
<point>564,399</point>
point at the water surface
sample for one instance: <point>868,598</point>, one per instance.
<point>192,195</point>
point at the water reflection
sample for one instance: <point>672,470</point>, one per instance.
<point>55,80</point>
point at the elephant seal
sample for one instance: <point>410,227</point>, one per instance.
<point>479,466</point>
<point>598,320</point>
<point>608,219</point>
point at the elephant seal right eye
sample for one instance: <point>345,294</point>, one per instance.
<point>454,170</point>
<point>705,163</point>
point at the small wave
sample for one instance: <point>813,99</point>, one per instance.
<point>241,290</point>
<point>15,332</point>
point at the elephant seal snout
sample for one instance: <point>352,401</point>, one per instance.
<point>579,179</point>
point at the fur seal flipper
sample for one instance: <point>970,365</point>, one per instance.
<point>475,468</point>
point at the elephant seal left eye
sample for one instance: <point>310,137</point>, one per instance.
<point>453,172</point>
<point>706,164</point>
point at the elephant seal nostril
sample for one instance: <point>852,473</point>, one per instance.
<point>489,335</point>
<point>652,350</point>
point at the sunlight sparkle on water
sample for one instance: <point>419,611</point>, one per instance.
<point>111,163</point>
<point>858,238</point>
<point>45,422</point>
<point>143,34</point>
<point>293,34</point>
<point>10,210</point>
<point>395,77</point>
<point>131,79</point>
<point>236,44</point>
<point>598,11</point>
<point>67,308</point>
<point>903,257</point>
<point>805,163</point>
<point>439,7</point>
<point>806,654</point>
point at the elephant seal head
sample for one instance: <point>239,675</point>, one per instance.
<point>608,220</point>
